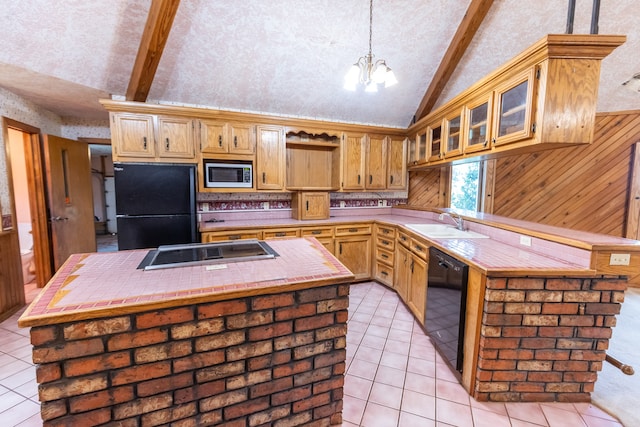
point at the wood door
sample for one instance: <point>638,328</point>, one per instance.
<point>270,158</point>
<point>376,163</point>
<point>397,163</point>
<point>353,162</point>
<point>401,271</point>
<point>70,197</point>
<point>355,253</point>
<point>133,136</point>
<point>242,139</point>
<point>212,137</point>
<point>176,138</point>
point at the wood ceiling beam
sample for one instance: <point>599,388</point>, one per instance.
<point>470,23</point>
<point>154,37</point>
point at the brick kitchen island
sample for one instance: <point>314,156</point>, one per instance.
<point>253,343</point>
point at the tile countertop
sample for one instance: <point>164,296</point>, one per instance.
<point>104,284</point>
<point>554,250</point>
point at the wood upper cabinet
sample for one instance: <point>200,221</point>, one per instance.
<point>307,205</point>
<point>514,108</point>
<point>434,138</point>
<point>353,160</point>
<point>153,138</point>
<point>397,163</point>
<point>376,162</point>
<point>477,124</point>
<point>175,136</point>
<point>226,138</point>
<point>133,136</point>
<point>270,158</point>
<point>452,140</point>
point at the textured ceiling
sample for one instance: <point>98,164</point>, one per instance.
<point>284,57</point>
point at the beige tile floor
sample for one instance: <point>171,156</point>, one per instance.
<point>394,378</point>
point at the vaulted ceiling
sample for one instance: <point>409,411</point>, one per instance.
<point>286,57</point>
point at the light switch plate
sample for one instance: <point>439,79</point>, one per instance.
<point>525,240</point>
<point>620,259</point>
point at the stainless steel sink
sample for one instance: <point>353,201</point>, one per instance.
<point>171,256</point>
<point>444,231</point>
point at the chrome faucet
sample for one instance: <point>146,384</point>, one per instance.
<point>459,222</point>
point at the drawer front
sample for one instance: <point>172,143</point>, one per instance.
<point>385,242</point>
<point>404,239</point>
<point>384,256</point>
<point>349,230</point>
<point>419,248</point>
<point>281,232</point>
<point>384,274</point>
<point>317,232</point>
<point>387,232</point>
<point>217,236</point>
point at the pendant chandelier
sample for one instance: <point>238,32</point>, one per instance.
<point>367,72</point>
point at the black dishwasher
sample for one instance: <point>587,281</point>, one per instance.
<point>446,305</point>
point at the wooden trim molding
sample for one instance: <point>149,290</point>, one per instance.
<point>154,38</point>
<point>633,206</point>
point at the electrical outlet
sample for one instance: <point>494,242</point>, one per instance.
<point>525,240</point>
<point>343,203</point>
<point>380,203</point>
<point>265,205</point>
<point>620,259</point>
<point>441,217</point>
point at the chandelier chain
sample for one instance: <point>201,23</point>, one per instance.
<point>370,24</point>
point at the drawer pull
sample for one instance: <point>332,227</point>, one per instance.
<point>353,230</point>
<point>385,242</point>
<point>384,273</point>
<point>234,237</point>
<point>281,234</point>
<point>418,248</point>
<point>316,232</point>
<point>385,256</point>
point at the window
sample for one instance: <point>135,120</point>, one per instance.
<point>465,186</point>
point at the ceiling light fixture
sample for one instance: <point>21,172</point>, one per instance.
<point>367,72</point>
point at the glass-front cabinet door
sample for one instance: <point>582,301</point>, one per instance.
<point>421,146</point>
<point>453,140</point>
<point>514,107</point>
<point>413,159</point>
<point>477,125</point>
<point>434,135</point>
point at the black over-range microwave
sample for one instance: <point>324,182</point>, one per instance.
<point>228,174</point>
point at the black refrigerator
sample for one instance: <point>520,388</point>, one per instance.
<point>155,204</point>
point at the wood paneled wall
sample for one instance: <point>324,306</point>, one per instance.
<point>583,188</point>
<point>424,188</point>
<point>11,287</point>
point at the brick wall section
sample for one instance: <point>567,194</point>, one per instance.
<point>269,360</point>
<point>545,339</point>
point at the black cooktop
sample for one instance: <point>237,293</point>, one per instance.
<point>171,256</point>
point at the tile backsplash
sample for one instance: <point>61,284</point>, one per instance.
<point>212,202</point>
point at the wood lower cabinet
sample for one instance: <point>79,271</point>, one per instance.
<point>411,272</point>
<point>417,287</point>
<point>270,158</point>
<point>323,234</point>
<point>355,253</point>
<point>401,271</point>
<point>217,236</point>
<point>310,205</point>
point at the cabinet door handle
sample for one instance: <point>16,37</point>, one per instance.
<point>358,179</point>
<point>485,143</point>
<point>370,179</point>
<point>144,142</point>
<point>412,262</point>
<point>340,251</point>
<point>219,140</point>
<point>264,177</point>
<point>391,179</point>
<point>166,144</point>
<point>307,205</point>
<point>235,141</point>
